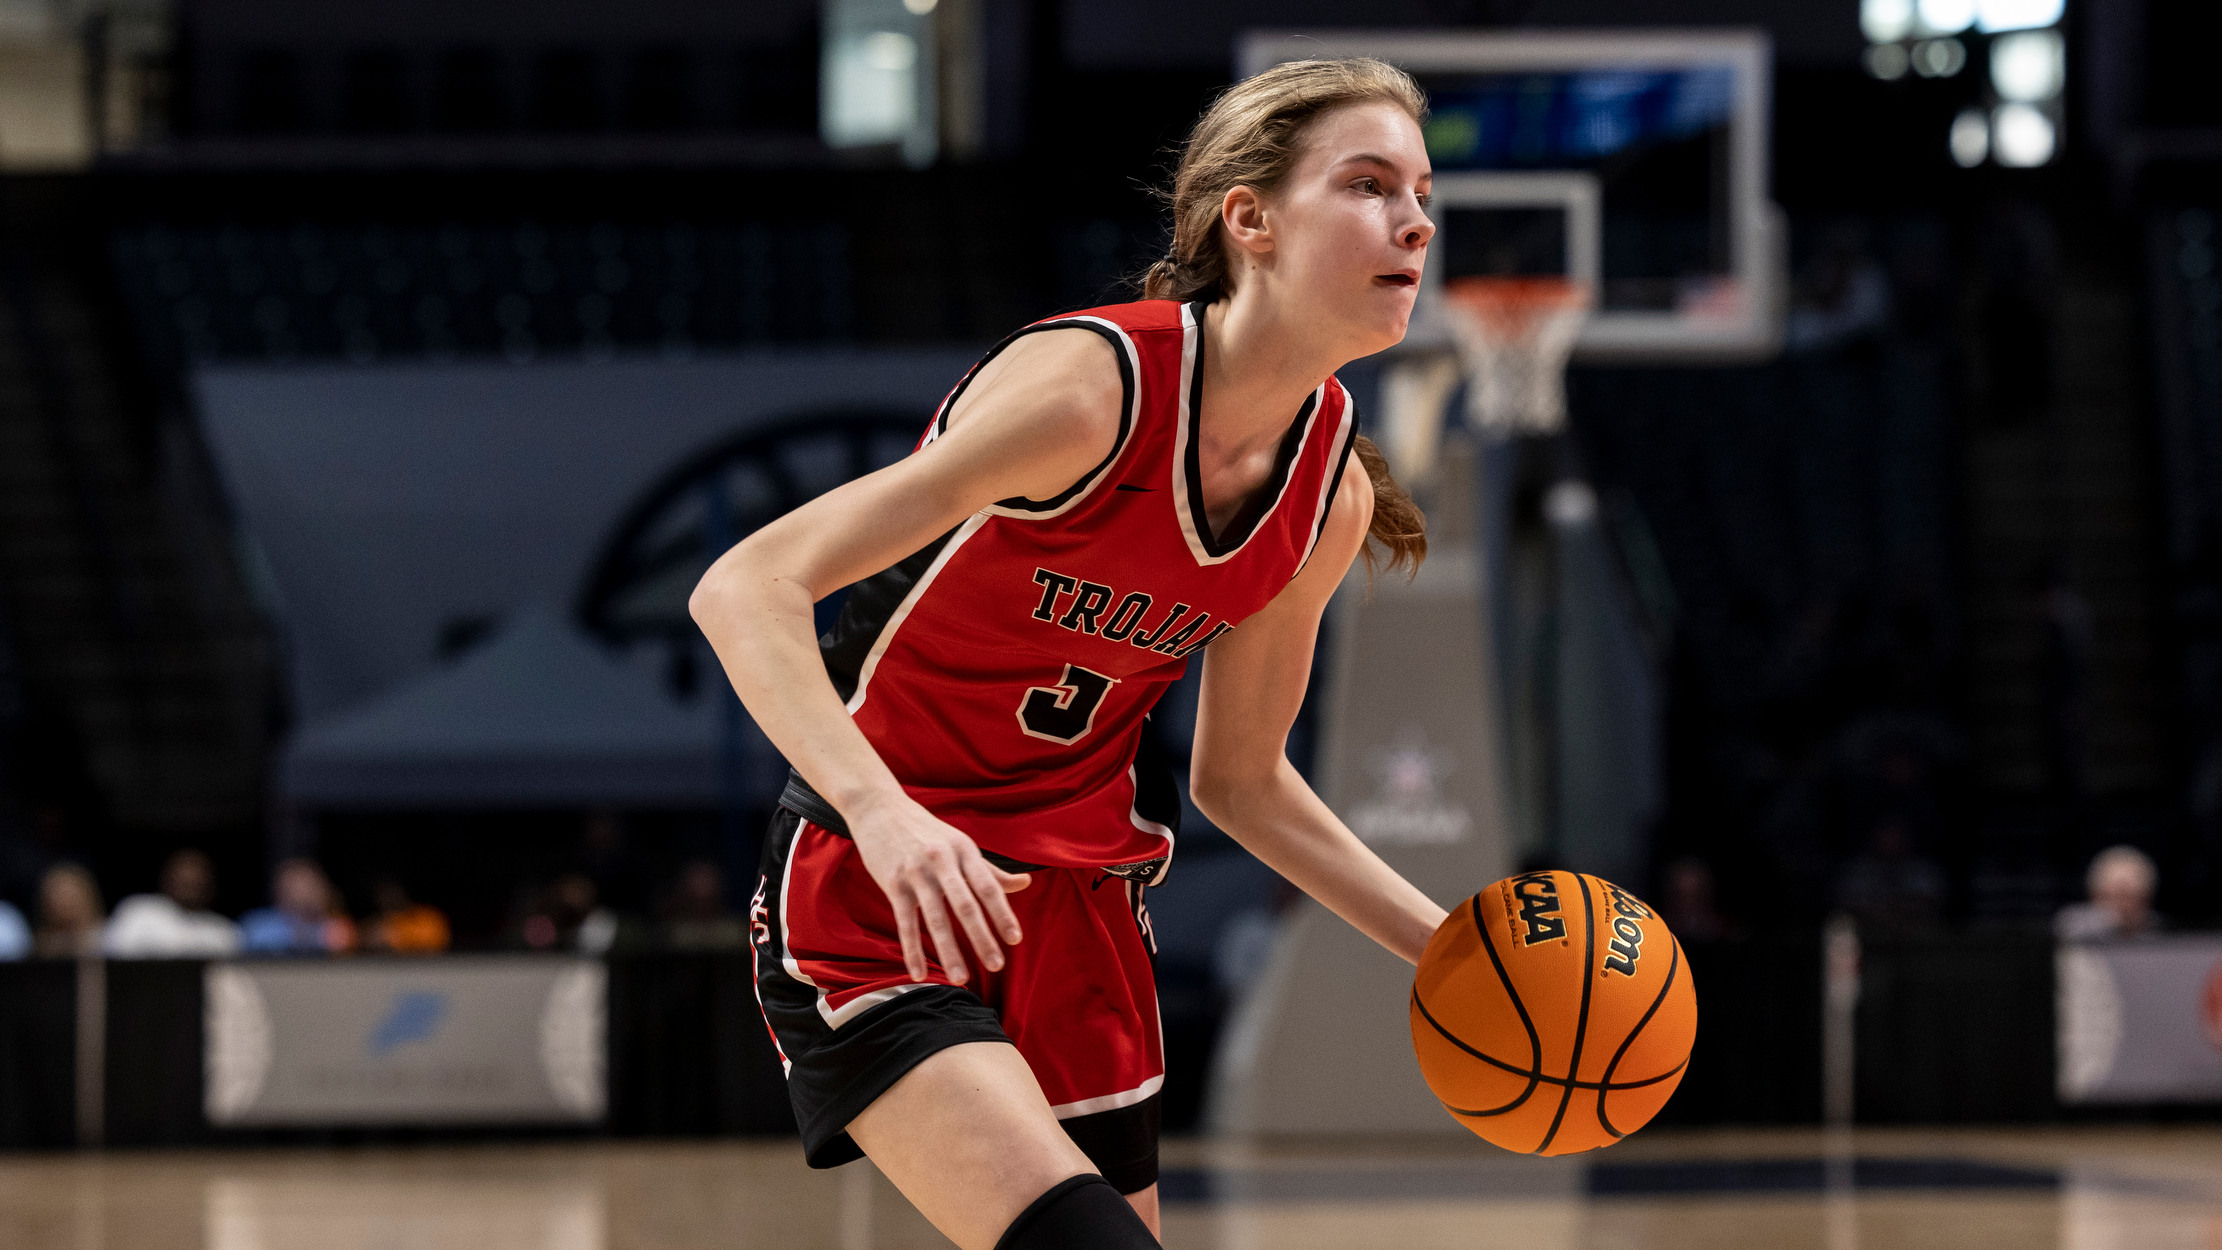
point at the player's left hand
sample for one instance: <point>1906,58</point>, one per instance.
<point>931,871</point>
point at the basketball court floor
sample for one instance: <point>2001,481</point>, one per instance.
<point>2074,1189</point>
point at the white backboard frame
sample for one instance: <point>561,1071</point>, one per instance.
<point>1757,242</point>
<point>1577,194</point>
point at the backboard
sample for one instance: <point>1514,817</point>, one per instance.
<point>1510,224</point>
<point>1670,128</point>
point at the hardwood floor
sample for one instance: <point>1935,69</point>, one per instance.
<point>2081,1189</point>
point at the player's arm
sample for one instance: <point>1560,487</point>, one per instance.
<point>1034,421</point>
<point>1240,776</point>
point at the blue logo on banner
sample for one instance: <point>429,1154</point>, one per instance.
<point>414,1016</point>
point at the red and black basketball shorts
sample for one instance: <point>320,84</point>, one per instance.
<point>1077,996</point>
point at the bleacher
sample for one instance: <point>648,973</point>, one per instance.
<point>517,290</point>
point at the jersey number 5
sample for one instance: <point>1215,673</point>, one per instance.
<point>1066,711</point>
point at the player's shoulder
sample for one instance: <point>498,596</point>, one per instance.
<point>1064,383</point>
<point>1064,370</point>
<point>1137,317</point>
<point>1076,362</point>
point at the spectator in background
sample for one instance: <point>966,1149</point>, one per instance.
<point>697,918</point>
<point>69,913</point>
<point>606,856</point>
<point>1890,887</point>
<point>1688,905</point>
<point>570,916</point>
<point>2121,882</point>
<point>176,923</point>
<point>403,926</point>
<point>15,934</point>
<point>304,918</point>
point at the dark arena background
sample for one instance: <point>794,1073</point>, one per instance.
<point>378,833</point>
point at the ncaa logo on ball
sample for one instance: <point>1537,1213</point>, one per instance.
<point>1539,907</point>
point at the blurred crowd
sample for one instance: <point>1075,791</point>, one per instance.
<point>2120,883</point>
<point>1892,890</point>
<point>307,916</point>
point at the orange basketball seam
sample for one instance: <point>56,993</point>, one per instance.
<point>1535,1074</point>
<point>1667,1075</point>
<point>1535,1042</point>
<point>1674,965</point>
<point>1511,991</point>
<point>1581,1021</point>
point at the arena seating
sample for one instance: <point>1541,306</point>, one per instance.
<point>518,290</point>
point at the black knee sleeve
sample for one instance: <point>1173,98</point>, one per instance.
<point>1079,1213</point>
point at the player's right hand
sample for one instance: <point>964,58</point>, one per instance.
<point>931,871</point>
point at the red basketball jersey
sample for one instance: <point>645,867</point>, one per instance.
<point>1005,672</point>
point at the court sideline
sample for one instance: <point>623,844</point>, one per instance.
<point>2078,1189</point>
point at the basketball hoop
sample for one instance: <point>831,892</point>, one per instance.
<point>1514,336</point>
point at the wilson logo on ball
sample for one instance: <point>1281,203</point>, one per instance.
<point>1626,904</point>
<point>1538,895</point>
<point>1627,941</point>
<point>1626,946</point>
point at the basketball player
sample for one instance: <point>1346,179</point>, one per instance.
<point>952,950</point>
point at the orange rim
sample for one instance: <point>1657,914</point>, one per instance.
<point>1510,307</point>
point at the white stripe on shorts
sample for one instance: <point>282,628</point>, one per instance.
<point>1110,1102</point>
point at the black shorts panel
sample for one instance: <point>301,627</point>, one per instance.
<point>846,1070</point>
<point>1121,1143</point>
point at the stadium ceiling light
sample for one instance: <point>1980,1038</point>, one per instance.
<point>2022,135</point>
<point>1939,58</point>
<point>1570,503</point>
<point>1971,138</point>
<point>1886,21</point>
<point>890,51</point>
<point>873,96</point>
<point>1946,17</point>
<point>2029,66</point>
<point>920,7</point>
<point>1888,61</point>
<point>1994,16</point>
<point>877,77</point>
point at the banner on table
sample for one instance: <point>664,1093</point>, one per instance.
<point>2141,1021</point>
<point>443,1041</point>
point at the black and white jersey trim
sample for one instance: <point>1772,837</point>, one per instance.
<point>1123,349</point>
<point>1328,489</point>
<point>876,608</point>
<point>1188,492</point>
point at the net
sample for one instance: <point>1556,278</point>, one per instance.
<point>1514,336</point>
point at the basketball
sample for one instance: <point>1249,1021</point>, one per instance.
<point>1553,1013</point>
